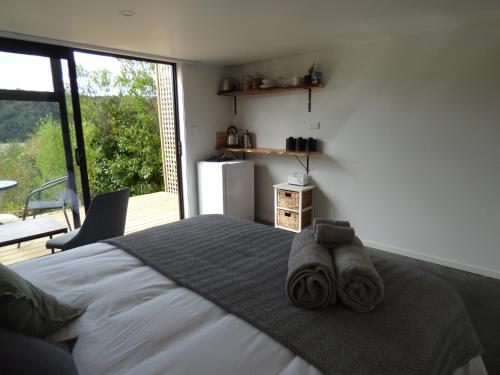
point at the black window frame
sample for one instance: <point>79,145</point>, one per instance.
<point>57,53</point>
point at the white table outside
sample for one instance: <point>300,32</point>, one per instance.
<point>7,184</point>
<point>4,185</point>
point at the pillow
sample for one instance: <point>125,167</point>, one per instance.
<point>24,355</point>
<point>26,309</point>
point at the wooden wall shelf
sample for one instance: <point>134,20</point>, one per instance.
<point>273,90</point>
<point>274,151</point>
<point>270,151</point>
<point>267,91</point>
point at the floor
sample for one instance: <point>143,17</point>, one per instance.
<point>481,296</point>
<point>144,211</point>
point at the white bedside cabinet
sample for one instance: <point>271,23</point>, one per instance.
<point>293,206</point>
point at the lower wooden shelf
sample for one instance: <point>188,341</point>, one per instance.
<point>269,151</point>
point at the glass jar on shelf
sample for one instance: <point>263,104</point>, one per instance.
<point>247,82</point>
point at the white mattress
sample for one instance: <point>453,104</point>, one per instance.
<point>140,322</point>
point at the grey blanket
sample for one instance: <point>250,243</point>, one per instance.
<point>310,282</point>
<point>421,328</point>
<point>359,285</point>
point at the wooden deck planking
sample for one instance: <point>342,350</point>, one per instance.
<point>144,211</point>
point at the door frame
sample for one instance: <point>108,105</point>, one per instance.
<point>56,52</point>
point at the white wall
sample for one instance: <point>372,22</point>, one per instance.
<point>202,114</point>
<point>411,142</point>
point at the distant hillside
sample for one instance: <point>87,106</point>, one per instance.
<point>18,119</point>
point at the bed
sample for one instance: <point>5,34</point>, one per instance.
<point>139,321</point>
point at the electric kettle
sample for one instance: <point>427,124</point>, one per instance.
<point>245,140</point>
<point>232,137</point>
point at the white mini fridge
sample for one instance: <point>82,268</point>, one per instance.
<point>227,188</point>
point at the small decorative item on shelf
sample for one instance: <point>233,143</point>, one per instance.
<point>229,84</point>
<point>268,83</point>
<point>300,144</point>
<point>310,144</point>
<point>247,82</point>
<point>283,82</point>
<point>257,81</point>
<point>308,77</point>
<point>316,75</point>
<point>290,144</point>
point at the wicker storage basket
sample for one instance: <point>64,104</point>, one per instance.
<point>290,199</point>
<point>290,219</point>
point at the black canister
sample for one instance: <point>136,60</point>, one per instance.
<point>290,144</point>
<point>310,144</point>
<point>300,145</point>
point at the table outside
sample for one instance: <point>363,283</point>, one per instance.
<point>22,231</point>
<point>7,184</point>
<point>4,185</point>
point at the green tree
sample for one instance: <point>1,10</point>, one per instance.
<point>122,142</point>
<point>126,142</point>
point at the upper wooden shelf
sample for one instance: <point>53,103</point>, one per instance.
<point>270,151</point>
<point>267,91</point>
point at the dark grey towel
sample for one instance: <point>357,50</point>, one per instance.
<point>310,282</point>
<point>320,220</point>
<point>359,285</point>
<point>421,328</point>
<point>331,236</point>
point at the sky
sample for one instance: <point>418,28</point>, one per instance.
<point>27,72</point>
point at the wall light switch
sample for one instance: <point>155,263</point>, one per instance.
<point>314,125</point>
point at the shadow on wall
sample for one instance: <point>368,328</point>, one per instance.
<point>325,199</point>
<point>325,205</point>
<point>262,178</point>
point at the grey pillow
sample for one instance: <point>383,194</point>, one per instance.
<point>24,355</point>
<point>26,309</point>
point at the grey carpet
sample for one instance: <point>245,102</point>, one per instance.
<point>242,266</point>
<point>481,297</point>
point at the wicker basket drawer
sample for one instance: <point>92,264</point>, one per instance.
<point>290,199</point>
<point>290,219</point>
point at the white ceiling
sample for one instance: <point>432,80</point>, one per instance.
<point>231,32</point>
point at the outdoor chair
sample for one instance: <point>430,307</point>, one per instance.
<point>37,203</point>
<point>105,219</point>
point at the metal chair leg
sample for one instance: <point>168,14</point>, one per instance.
<point>52,249</point>
<point>66,216</point>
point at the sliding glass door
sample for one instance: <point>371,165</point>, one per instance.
<point>74,124</point>
<point>36,141</point>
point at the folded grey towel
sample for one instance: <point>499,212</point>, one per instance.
<point>320,220</point>
<point>359,285</point>
<point>331,236</point>
<point>310,282</point>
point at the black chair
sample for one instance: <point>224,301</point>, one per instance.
<point>105,219</point>
<point>54,198</point>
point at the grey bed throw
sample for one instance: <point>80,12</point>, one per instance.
<point>310,282</point>
<point>420,328</point>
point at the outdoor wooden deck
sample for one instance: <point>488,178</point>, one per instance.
<point>144,211</point>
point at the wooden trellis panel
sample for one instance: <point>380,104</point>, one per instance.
<point>166,115</point>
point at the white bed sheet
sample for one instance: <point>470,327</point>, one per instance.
<point>140,322</point>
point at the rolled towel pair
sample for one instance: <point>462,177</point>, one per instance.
<point>310,282</point>
<point>359,285</point>
<point>332,233</point>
